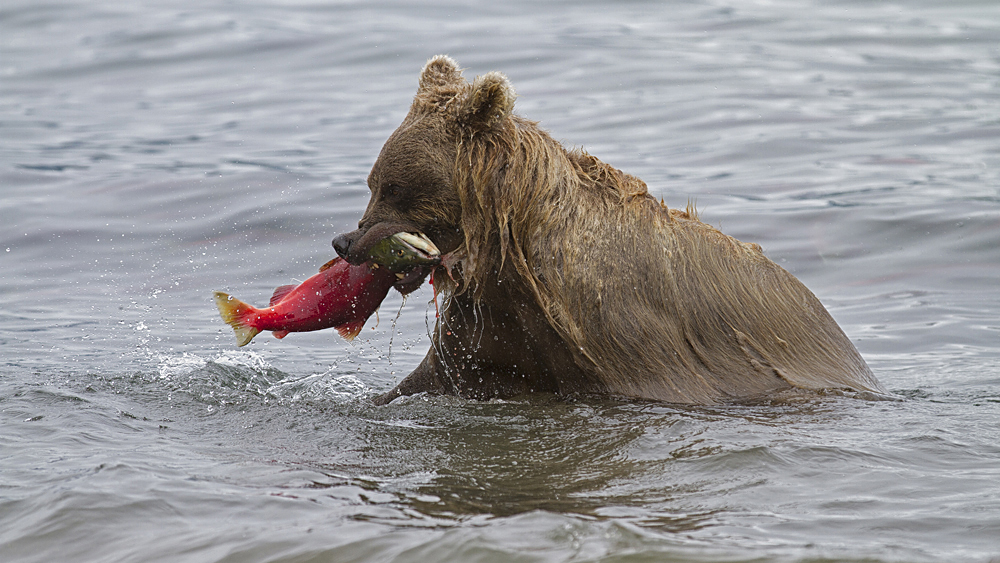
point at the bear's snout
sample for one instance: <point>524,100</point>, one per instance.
<point>342,244</point>
<point>355,245</point>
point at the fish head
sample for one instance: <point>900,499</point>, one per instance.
<point>402,252</point>
<point>409,256</point>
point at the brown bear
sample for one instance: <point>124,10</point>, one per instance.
<point>566,276</point>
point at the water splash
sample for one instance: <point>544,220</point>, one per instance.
<point>320,387</point>
<point>238,377</point>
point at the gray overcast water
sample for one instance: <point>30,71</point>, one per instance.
<point>153,152</point>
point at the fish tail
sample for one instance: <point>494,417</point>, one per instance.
<point>234,312</point>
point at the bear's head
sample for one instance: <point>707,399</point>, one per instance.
<point>417,183</point>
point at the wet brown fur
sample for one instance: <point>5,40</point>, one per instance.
<point>573,279</point>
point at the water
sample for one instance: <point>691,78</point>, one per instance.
<point>151,153</point>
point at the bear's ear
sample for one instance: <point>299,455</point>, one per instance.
<point>488,102</point>
<point>440,71</point>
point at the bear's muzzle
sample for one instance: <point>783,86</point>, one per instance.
<point>355,245</point>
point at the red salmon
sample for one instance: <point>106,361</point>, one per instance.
<point>340,295</point>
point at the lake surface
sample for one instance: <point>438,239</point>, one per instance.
<point>153,152</point>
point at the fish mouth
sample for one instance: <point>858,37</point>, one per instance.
<point>410,256</point>
<point>408,282</point>
<point>419,243</point>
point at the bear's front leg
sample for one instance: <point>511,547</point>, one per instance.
<point>499,347</point>
<point>424,379</point>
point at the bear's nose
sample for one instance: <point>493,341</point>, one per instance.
<point>342,244</point>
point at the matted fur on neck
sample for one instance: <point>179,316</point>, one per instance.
<point>528,204</point>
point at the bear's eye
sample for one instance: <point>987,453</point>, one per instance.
<point>392,191</point>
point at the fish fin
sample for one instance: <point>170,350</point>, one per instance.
<point>279,334</point>
<point>233,311</point>
<point>329,264</point>
<point>350,330</point>
<point>280,293</point>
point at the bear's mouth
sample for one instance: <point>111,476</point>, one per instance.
<point>419,254</point>
<point>355,245</point>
